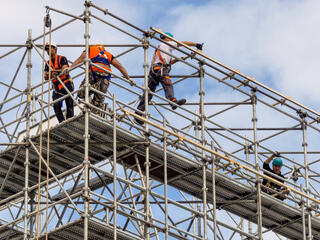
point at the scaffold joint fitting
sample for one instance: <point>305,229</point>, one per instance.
<point>86,136</point>
<point>29,65</point>
<point>145,65</point>
<point>301,114</point>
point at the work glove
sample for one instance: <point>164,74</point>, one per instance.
<point>199,46</point>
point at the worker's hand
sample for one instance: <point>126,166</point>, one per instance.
<point>276,154</point>
<point>132,83</point>
<point>54,74</point>
<point>199,46</point>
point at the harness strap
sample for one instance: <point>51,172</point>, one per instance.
<point>161,59</point>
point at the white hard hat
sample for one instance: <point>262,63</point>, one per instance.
<point>53,44</point>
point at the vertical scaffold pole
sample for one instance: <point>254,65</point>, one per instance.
<point>86,162</point>
<point>258,179</point>
<point>306,166</point>
<point>115,206</point>
<point>303,216</point>
<point>26,164</point>
<point>214,195</point>
<point>247,159</point>
<point>165,180</point>
<point>194,204</point>
<point>204,161</point>
<point>147,163</point>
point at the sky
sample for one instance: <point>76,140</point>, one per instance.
<point>276,41</point>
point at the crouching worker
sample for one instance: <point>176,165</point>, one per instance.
<point>98,78</point>
<point>59,64</point>
<point>271,187</point>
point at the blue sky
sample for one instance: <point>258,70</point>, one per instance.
<point>274,41</point>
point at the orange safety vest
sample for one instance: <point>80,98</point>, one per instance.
<point>98,55</point>
<point>57,66</point>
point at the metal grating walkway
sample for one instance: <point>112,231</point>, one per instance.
<point>277,215</point>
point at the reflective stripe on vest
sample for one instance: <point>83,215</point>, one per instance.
<point>99,56</point>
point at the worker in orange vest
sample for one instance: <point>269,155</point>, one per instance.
<point>58,65</point>
<point>98,78</point>
<point>159,72</point>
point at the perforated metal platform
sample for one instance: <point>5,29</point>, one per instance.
<point>97,231</point>
<point>277,215</point>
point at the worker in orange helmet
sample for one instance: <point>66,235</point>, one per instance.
<point>99,78</point>
<point>159,72</point>
<point>58,65</point>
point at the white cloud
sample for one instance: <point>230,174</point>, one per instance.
<point>276,39</point>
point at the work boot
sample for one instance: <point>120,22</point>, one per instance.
<point>179,102</point>
<point>138,120</point>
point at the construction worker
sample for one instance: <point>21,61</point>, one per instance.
<point>273,188</point>
<point>159,72</point>
<point>59,64</point>
<point>98,78</point>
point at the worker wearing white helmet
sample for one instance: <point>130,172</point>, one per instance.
<point>58,65</point>
<point>159,72</point>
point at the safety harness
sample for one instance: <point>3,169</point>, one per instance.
<point>157,69</point>
<point>102,58</point>
<point>64,78</point>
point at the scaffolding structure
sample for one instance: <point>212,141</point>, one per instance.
<point>192,173</point>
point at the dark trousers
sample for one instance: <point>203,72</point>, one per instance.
<point>58,105</point>
<point>100,83</point>
<point>156,76</point>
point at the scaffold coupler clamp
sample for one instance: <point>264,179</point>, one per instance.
<point>301,114</point>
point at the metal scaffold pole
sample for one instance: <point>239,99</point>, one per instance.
<point>147,140</point>
<point>165,169</point>
<point>26,164</point>
<point>204,161</point>
<point>214,200</point>
<point>303,216</point>
<point>306,166</point>
<point>86,162</point>
<point>258,179</point>
<point>115,205</point>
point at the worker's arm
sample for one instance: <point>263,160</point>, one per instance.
<point>269,159</point>
<point>79,60</point>
<point>119,66</point>
<point>192,44</point>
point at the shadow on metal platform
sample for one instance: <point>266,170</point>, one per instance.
<point>67,150</point>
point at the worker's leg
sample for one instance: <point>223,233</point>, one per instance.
<point>69,101</point>
<point>81,92</point>
<point>168,89</point>
<point>153,82</point>
<point>102,85</point>
<point>57,107</point>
